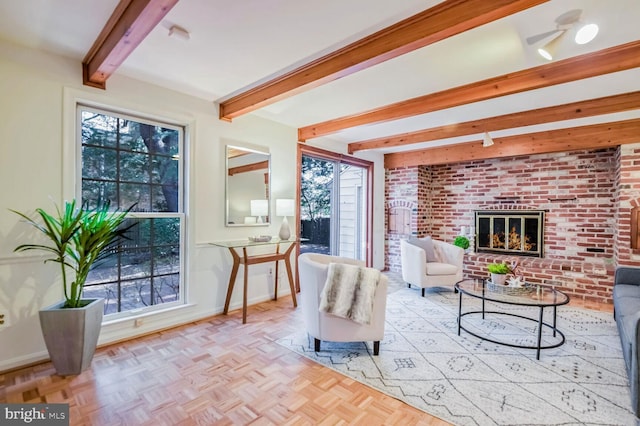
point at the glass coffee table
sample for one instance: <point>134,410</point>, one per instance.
<point>529,295</point>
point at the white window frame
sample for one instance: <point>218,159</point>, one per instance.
<point>81,105</point>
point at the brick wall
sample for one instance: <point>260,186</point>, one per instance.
<point>627,196</point>
<point>587,197</point>
<point>401,191</point>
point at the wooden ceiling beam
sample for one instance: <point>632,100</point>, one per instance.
<point>129,24</point>
<point>584,137</point>
<point>613,59</point>
<point>570,111</point>
<point>249,167</point>
<point>444,20</point>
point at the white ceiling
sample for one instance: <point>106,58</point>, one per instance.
<point>236,44</point>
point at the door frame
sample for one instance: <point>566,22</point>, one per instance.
<point>304,149</point>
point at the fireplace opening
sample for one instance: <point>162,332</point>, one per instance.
<point>517,232</point>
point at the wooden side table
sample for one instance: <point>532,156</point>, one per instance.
<point>252,259</point>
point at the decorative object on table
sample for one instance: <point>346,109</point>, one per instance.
<point>498,272</point>
<point>260,238</point>
<point>79,238</point>
<point>524,288</point>
<point>259,208</point>
<point>513,266</point>
<point>461,241</point>
<point>285,207</point>
<point>515,281</point>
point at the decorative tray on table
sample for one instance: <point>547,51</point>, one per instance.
<point>260,238</point>
<point>522,288</point>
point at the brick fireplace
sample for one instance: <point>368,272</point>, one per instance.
<point>586,197</point>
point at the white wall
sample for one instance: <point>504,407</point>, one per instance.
<point>36,132</point>
<point>37,143</point>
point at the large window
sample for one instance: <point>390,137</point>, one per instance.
<point>129,161</point>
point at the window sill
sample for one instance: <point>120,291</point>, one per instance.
<point>146,314</point>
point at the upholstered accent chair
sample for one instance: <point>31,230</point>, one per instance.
<point>313,270</point>
<point>430,263</point>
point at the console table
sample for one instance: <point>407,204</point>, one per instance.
<point>252,259</point>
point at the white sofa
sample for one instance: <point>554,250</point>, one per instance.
<point>443,270</point>
<point>313,268</point>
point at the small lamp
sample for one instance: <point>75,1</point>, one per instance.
<point>285,207</point>
<point>259,208</point>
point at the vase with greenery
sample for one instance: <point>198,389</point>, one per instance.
<point>461,241</point>
<point>78,238</point>
<point>498,272</point>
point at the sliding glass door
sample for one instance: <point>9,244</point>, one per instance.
<point>335,213</point>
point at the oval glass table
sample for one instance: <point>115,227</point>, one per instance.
<point>531,295</point>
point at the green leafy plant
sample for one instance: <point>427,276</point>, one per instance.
<point>79,238</point>
<point>498,268</point>
<point>461,241</point>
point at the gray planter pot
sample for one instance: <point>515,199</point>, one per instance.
<point>71,335</point>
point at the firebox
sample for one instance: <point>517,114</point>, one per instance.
<point>519,232</point>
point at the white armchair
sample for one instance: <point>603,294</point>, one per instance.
<point>313,269</point>
<point>445,269</point>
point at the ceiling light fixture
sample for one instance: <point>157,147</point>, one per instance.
<point>565,22</point>
<point>179,32</point>
<point>548,51</point>
<point>586,33</point>
<point>486,140</point>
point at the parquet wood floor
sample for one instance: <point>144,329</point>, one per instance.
<point>215,371</point>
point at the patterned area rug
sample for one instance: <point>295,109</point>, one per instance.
<point>468,381</point>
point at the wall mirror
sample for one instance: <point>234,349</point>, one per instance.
<point>248,173</point>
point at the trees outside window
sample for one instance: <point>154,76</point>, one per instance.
<point>316,185</point>
<point>130,161</point>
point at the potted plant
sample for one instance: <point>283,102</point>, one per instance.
<point>461,241</point>
<point>78,238</point>
<point>498,272</point>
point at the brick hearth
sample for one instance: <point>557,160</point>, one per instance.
<point>587,196</point>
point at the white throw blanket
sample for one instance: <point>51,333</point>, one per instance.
<point>349,292</point>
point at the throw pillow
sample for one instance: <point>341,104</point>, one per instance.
<point>425,244</point>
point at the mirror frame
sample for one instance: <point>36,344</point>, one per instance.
<point>228,189</point>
